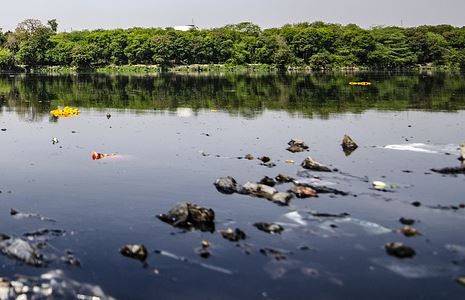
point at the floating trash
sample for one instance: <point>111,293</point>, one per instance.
<point>51,285</point>
<point>97,155</point>
<point>412,270</point>
<point>296,218</point>
<point>423,148</point>
<point>359,83</point>
<point>67,111</point>
<point>21,250</point>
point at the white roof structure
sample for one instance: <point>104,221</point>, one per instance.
<point>185,27</point>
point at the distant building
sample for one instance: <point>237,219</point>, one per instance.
<point>185,27</point>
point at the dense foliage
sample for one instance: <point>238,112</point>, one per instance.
<point>317,45</point>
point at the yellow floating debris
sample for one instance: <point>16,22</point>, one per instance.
<point>290,161</point>
<point>359,83</point>
<point>65,112</point>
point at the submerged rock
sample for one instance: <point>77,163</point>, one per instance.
<point>296,145</point>
<point>233,235</point>
<point>303,191</point>
<point>190,216</point>
<point>204,250</point>
<point>71,260</point>
<point>399,250</point>
<point>313,165</point>
<point>270,228</point>
<point>21,250</point>
<point>462,152</point>
<point>274,253</point>
<point>138,252</point>
<point>226,185</point>
<point>348,145</point>
<point>20,215</point>
<point>268,181</point>
<point>268,164</point>
<point>283,178</point>
<point>450,171</point>
<point>406,221</point>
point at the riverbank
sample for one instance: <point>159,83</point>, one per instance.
<point>213,69</point>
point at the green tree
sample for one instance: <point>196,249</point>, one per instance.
<point>6,59</point>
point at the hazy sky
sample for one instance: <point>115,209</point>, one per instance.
<point>91,14</point>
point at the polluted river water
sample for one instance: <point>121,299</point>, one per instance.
<point>381,225</point>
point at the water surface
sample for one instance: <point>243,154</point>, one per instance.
<point>175,135</point>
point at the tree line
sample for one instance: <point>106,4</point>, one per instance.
<point>316,45</point>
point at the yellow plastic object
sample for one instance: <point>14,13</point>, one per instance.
<point>359,83</point>
<point>65,112</point>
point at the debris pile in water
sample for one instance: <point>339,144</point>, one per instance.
<point>67,111</point>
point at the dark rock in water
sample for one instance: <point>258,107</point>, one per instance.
<point>190,216</point>
<point>450,171</point>
<point>135,251</point>
<point>226,185</point>
<point>204,253</point>
<point>268,181</point>
<point>462,152</point>
<point>20,215</point>
<point>313,165</point>
<point>406,221</point>
<point>21,250</point>
<point>348,145</point>
<point>233,235</point>
<point>44,232</point>
<point>283,178</point>
<point>274,253</point>
<point>327,215</point>
<point>270,228</point>
<point>303,191</point>
<point>416,203</point>
<point>71,260</point>
<point>268,164</point>
<point>296,145</point>
<point>265,159</point>
<point>399,250</point>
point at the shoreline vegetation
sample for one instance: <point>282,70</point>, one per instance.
<point>34,47</point>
